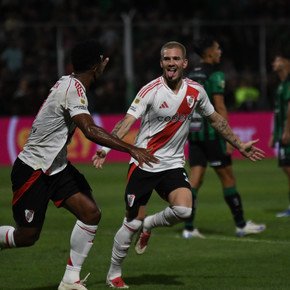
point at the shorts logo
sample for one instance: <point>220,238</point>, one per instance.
<point>29,215</point>
<point>185,177</point>
<point>131,199</point>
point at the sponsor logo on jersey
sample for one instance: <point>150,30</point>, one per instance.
<point>175,118</point>
<point>132,108</point>
<point>131,199</point>
<point>80,107</point>
<point>29,215</point>
<point>163,105</point>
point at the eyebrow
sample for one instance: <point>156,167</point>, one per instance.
<point>172,57</point>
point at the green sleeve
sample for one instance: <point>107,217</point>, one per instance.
<point>287,91</point>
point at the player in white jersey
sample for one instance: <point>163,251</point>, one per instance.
<point>165,107</point>
<point>42,172</point>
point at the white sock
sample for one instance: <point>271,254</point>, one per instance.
<point>7,237</point>
<point>81,241</point>
<point>165,218</point>
<point>122,242</point>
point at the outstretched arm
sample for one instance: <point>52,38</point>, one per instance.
<point>98,135</point>
<point>246,149</point>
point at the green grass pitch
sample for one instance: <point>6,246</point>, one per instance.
<point>221,261</point>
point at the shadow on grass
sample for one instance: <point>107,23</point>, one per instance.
<point>151,279</point>
<point>51,287</point>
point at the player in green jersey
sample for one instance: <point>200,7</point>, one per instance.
<point>207,146</point>
<point>281,134</point>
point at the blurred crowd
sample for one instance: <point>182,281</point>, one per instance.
<point>32,30</point>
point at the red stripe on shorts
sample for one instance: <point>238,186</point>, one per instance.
<point>19,192</point>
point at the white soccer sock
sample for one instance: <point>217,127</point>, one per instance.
<point>81,241</point>
<point>166,218</point>
<point>122,242</point>
<point>7,237</point>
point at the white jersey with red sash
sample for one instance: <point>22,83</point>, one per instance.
<point>166,119</point>
<point>52,129</point>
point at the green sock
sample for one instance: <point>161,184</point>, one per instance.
<point>189,222</point>
<point>233,199</point>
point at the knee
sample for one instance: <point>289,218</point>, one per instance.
<point>182,212</point>
<point>26,237</point>
<point>91,216</point>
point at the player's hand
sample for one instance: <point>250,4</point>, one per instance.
<point>101,66</point>
<point>250,151</point>
<point>143,156</point>
<point>99,158</point>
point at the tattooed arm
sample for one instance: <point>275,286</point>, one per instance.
<point>246,149</point>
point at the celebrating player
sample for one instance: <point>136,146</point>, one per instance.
<point>165,106</point>
<point>42,172</point>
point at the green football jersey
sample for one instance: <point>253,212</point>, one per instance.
<point>281,105</point>
<point>213,81</point>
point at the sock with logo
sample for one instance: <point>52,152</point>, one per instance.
<point>81,241</point>
<point>233,199</point>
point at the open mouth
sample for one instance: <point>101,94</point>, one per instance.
<point>171,72</point>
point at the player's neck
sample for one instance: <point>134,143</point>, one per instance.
<point>174,85</point>
<point>283,73</point>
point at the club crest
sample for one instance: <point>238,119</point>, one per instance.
<point>190,101</point>
<point>29,215</point>
<point>131,199</point>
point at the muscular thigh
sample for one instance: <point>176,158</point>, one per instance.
<point>30,195</point>
<point>138,190</point>
<point>67,183</point>
<point>172,180</point>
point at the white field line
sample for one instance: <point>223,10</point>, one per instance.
<point>243,240</point>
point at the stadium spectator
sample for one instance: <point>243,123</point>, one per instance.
<point>207,146</point>
<point>66,21</point>
<point>246,94</point>
<point>281,133</point>
<point>165,106</point>
<point>42,172</point>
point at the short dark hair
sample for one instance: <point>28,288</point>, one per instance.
<point>85,55</point>
<point>200,45</point>
<point>173,44</point>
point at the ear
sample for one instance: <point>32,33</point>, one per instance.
<point>161,65</point>
<point>185,63</point>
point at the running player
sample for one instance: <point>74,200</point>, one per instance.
<point>42,172</point>
<point>165,106</point>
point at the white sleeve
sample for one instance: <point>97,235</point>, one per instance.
<point>140,104</point>
<point>205,107</point>
<point>76,102</point>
